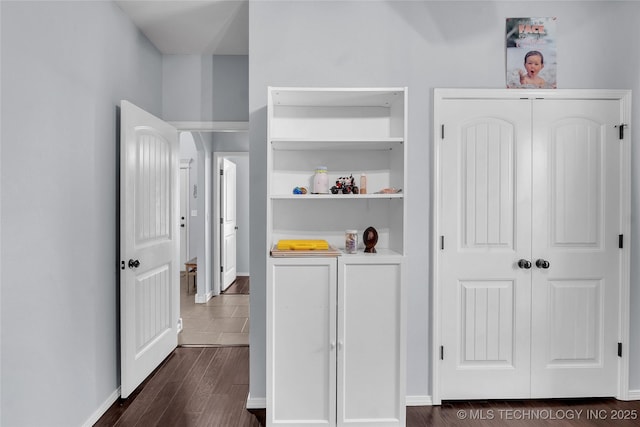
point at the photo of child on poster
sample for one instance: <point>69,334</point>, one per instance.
<point>531,53</point>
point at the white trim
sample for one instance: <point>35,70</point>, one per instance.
<point>211,126</point>
<point>624,318</point>
<point>261,402</point>
<point>201,300</point>
<point>102,409</point>
<point>256,403</point>
<point>624,96</point>
<point>419,401</point>
<point>633,395</point>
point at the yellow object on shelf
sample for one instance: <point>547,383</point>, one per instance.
<point>302,245</point>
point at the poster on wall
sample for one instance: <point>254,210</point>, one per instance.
<point>531,53</point>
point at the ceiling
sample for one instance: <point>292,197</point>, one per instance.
<point>205,27</point>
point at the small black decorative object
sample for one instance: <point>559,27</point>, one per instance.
<point>370,238</point>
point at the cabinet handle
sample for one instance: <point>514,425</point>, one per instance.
<point>333,345</point>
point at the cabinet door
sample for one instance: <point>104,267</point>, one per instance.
<point>301,341</point>
<point>371,341</point>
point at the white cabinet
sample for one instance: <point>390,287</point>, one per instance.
<point>335,349</point>
<point>336,325</point>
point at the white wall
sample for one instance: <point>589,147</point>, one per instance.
<point>205,88</point>
<point>422,45</point>
<point>230,95</point>
<point>65,67</point>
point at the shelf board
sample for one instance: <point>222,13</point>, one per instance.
<point>337,97</point>
<point>336,196</point>
<point>294,144</point>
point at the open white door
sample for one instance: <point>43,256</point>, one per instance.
<point>149,226</point>
<point>228,224</point>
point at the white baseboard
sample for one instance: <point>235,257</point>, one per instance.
<point>256,403</point>
<point>634,395</point>
<point>207,297</point>
<point>261,402</point>
<point>418,401</point>
<point>242,274</point>
<point>102,409</point>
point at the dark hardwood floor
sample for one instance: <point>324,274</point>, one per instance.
<point>239,286</point>
<point>193,387</point>
<point>208,387</point>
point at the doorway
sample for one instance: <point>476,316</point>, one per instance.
<point>530,269</point>
<point>209,316</point>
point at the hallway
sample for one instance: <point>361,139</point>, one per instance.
<point>223,320</point>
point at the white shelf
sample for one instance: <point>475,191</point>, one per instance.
<point>336,196</point>
<point>335,144</point>
<point>337,97</point>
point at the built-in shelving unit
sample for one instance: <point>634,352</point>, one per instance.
<point>332,359</point>
<point>351,132</point>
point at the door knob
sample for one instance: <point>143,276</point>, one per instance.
<point>134,263</point>
<point>523,263</point>
<point>542,263</point>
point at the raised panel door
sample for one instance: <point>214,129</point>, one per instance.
<point>485,222</point>
<point>576,225</point>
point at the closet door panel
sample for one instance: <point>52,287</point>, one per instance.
<point>485,223</point>
<point>576,211</point>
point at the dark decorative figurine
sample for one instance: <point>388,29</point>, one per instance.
<point>370,238</point>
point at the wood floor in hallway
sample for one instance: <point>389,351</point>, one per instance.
<point>208,387</point>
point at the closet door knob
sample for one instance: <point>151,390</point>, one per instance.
<point>134,263</point>
<point>523,263</point>
<point>542,263</point>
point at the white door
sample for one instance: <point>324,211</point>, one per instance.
<point>184,212</point>
<point>576,211</point>
<point>149,280</point>
<point>537,181</point>
<point>485,223</point>
<point>229,228</point>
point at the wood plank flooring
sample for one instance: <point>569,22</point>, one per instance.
<point>240,286</point>
<point>193,387</point>
<point>209,387</point>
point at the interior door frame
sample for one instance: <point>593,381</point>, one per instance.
<point>217,214</point>
<point>197,127</point>
<point>624,96</point>
<point>185,164</point>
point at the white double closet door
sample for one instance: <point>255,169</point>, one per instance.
<point>529,267</point>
